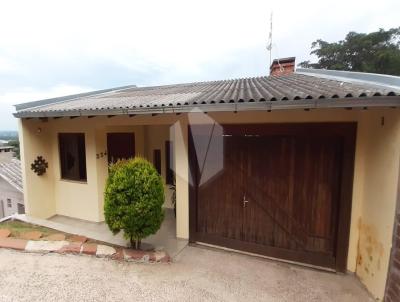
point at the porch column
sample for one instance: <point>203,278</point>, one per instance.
<point>179,135</point>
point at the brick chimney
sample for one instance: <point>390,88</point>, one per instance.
<point>283,66</point>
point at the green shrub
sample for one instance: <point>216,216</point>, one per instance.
<point>134,196</point>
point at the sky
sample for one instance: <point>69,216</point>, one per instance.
<point>55,48</point>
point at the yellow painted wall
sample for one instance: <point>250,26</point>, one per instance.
<point>35,140</point>
<point>83,200</point>
<point>374,188</point>
<point>380,169</point>
<point>73,198</point>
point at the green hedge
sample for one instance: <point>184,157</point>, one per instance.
<point>134,196</point>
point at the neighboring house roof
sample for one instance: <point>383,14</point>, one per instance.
<point>306,88</point>
<point>6,147</point>
<point>11,172</point>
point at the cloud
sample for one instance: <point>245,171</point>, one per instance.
<point>27,94</point>
<point>100,44</point>
<point>8,66</point>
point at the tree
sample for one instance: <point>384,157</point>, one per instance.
<point>134,196</point>
<point>15,144</point>
<point>377,52</point>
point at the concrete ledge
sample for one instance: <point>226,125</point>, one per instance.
<point>78,247</point>
<point>98,250</point>
<point>162,241</point>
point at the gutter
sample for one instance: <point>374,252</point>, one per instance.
<point>365,102</point>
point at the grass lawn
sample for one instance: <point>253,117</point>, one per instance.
<point>18,227</point>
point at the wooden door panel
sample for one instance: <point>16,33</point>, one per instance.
<point>220,197</point>
<point>316,189</point>
<point>302,212</point>
<point>267,186</point>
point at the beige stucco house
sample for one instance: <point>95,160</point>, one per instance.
<point>302,166</point>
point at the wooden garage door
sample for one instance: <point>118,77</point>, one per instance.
<point>282,191</point>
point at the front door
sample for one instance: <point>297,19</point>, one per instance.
<point>278,194</point>
<point>120,146</point>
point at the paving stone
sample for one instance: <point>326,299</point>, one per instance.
<point>160,256</point>
<point>105,251</point>
<point>89,248</point>
<point>4,233</point>
<point>31,235</point>
<point>166,259</point>
<point>45,246</point>
<point>119,254</point>
<point>136,255</point>
<point>78,238</point>
<point>13,243</point>
<point>157,256</point>
<point>55,237</point>
<point>71,248</point>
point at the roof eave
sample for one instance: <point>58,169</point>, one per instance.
<point>67,98</point>
<point>382,101</point>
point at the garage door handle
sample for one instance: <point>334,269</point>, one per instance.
<point>244,201</point>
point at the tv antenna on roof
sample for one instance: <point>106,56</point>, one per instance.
<point>269,45</point>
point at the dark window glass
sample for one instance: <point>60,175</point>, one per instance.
<point>21,208</point>
<point>169,173</point>
<point>72,156</point>
<point>157,160</point>
<point>120,146</point>
<point>9,202</point>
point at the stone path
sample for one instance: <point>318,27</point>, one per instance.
<point>57,243</point>
<point>32,235</point>
<point>55,237</point>
<point>4,233</point>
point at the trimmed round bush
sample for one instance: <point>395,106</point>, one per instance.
<point>134,196</point>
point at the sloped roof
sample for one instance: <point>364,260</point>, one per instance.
<point>11,172</point>
<point>297,89</point>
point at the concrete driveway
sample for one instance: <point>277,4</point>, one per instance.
<point>199,275</point>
